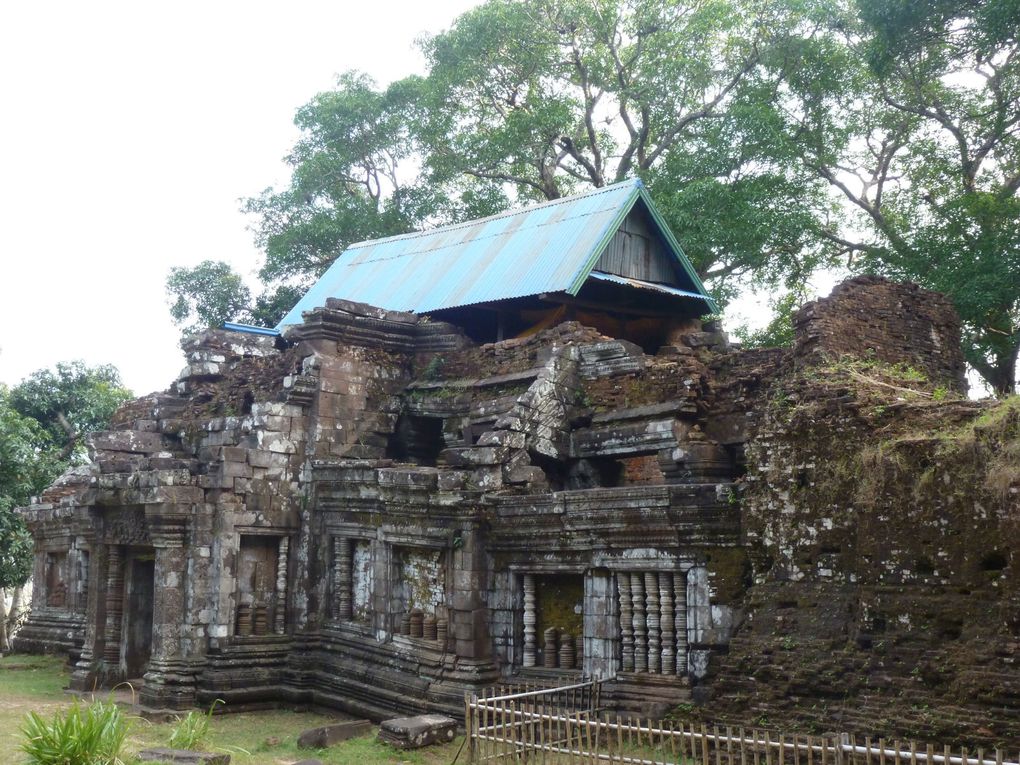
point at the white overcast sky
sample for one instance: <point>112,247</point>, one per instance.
<point>128,132</point>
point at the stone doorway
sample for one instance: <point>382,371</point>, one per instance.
<point>138,607</point>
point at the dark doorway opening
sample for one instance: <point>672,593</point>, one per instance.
<point>138,615</point>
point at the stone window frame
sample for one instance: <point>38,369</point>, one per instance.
<point>353,533</point>
<point>422,539</point>
<point>280,625</point>
<point>652,561</point>
<point>65,544</point>
<point>538,568</point>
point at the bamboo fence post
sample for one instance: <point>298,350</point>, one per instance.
<point>516,734</point>
<point>587,738</point>
<point>568,741</point>
<point>810,750</point>
<point>981,755</point>
<point>743,747</point>
<point>913,752</point>
<point>824,743</point>
<point>484,735</point>
<point>998,756</point>
<point>467,726</point>
<point>768,749</point>
<point>718,749</point>
<point>964,758</point>
<point>704,745</point>
<point>946,754</point>
<point>729,745</point>
<point>896,751</point>
<point>757,755</point>
<point>619,737</point>
<point>672,742</point>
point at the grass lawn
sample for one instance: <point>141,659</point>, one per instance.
<point>35,684</point>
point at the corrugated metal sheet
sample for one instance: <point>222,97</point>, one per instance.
<point>546,248</point>
<point>640,284</point>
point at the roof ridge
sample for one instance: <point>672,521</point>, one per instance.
<point>635,182</point>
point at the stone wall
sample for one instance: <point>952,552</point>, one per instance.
<point>880,520</point>
<point>891,322</point>
<point>821,536</point>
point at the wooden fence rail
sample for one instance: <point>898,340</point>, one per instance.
<point>564,726</point>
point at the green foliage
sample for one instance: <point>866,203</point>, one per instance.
<point>528,101</point>
<point>205,296</point>
<point>191,730</point>
<point>91,735</point>
<point>42,421</point>
<point>70,401</point>
<point>778,333</point>
<point>915,127</point>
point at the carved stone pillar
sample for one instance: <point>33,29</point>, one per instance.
<point>343,605</point>
<point>280,614</point>
<point>652,621</point>
<point>114,607</point>
<point>626,623</point>
<point>529,657</point>
<point>680,620</point>
<point>170,679</point>
<point>85,674</point>
<point>637,594</point>
<point>666,622</point>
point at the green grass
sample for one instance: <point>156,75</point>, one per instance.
<point>35,684</point>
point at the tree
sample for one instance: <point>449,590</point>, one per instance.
<point>531,100</point>
<point>68,402</point>
<point>554,96</point>
<point>25,469</point>
<point>205,296</point>
<point>917,127</point>
<point>42,422</point>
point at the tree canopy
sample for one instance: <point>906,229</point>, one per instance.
<point>776,136</point>
<point>42,422</point>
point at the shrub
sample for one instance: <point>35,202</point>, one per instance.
<point>191,730</point>
<point>90,735</point>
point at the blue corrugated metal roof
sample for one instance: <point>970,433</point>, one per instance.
<point>551,247</point>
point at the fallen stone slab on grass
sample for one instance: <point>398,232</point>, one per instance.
<point>419,731</point>
<point>183,757</point>
<point>309,762</point>
<point>328,735</point>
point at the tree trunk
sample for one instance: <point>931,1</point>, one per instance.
<point>4,644</point>
<point>17,599</point>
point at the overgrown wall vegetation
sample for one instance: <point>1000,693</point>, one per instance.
<point>880,513</point>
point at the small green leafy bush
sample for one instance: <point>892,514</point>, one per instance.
<point>89,735</point>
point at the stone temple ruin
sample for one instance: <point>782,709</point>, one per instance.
<point>378,509</point>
